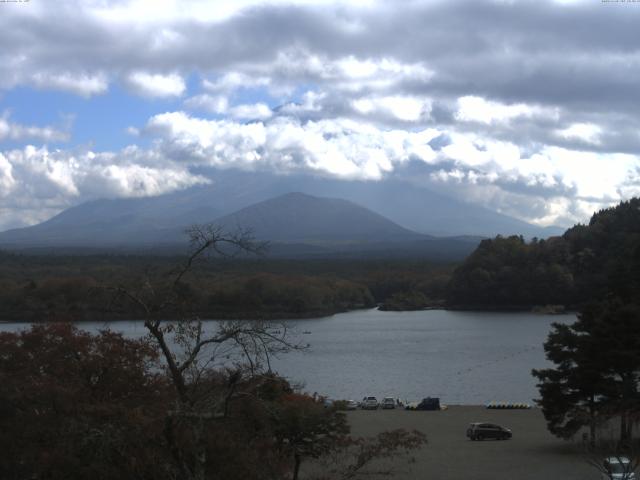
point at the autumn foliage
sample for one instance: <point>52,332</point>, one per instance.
<point>76,406</point>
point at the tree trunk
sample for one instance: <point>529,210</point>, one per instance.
<point>624,430</point>
<point>296,467</point>
<point>592,423</point>
<point>200,467</point>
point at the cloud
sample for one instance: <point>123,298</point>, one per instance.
<point>478,109</point>
<point>209,103</point>
<point>256,111</point>
<point>156,85</point>
<point>7,182</point>
<point>231,81</point>
<point>343,148</point>
<point>586,132</point>
<point>401,107</point>
<point>85,85</point>
<point>499,173</point>
<point>36,178</point>
<point>510,104</point>
<point>14,131</point>
<point>219,104</point>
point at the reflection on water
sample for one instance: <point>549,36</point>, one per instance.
<point>461,357</point>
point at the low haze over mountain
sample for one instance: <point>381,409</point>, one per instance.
<point>162,219</point>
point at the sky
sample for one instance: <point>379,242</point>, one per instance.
<point>530,108</point>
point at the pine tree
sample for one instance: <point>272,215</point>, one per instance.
<point>596,373</point>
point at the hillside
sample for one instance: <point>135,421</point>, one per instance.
<point>587,262</point>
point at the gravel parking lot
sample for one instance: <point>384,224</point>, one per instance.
<point>532,453</point>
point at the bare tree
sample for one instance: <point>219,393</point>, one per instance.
<point>190,350</point>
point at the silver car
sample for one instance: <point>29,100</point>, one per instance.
<point>369,403</point>
<point>388,402</point>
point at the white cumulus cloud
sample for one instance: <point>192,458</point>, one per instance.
<point>478,109</point>
<point>82,84</point>
<point>15,131</point>
<point>156,85</point>
<point>587,132</point>
<point>343,148</point>
<point>44,182</point>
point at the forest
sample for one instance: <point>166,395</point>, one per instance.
<point>587,262</point>
<point>556,274</point>
<point>36,288</point>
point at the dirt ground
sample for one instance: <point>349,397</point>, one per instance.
<point>532,453</point>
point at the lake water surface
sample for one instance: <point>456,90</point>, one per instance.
<point>461,357</point>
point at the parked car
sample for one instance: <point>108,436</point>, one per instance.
<point>480,431</point>
<point>429,403</point>
<point>352,405</point>
<point>388,402</point>
<point>369,403</point>
<point>618,468</point>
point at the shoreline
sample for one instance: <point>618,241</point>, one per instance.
<point>275,317</point>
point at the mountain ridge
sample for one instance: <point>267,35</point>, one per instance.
<point>162,219</point>
<point>299,217</point>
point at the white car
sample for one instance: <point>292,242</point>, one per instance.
<point>352,405</point>
<point>369,403</point>
<point>388,402</point>
<point>618,468</point>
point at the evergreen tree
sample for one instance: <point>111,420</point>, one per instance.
<point>596,373</point>
<point>571,392</point>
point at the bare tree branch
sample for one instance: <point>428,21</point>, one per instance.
<point>197,401</point>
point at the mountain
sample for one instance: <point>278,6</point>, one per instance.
<point>301,218</point>
<point>425,211</point>
<point>162,219</point>
<point>297,225</point>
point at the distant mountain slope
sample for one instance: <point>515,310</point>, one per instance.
<point>162,219</point>
<point>425,211</point>
<point>301,218</point>
<point>110,223</point>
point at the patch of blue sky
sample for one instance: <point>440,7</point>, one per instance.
<point>99,122</point>
<point>299,92</point>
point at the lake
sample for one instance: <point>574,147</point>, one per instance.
<point>462,357</point>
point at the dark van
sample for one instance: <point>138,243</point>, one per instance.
<point>481,431</point>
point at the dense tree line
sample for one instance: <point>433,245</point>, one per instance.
<point>586,262</point>
<point>72,288</point>
<point>595,378</point>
